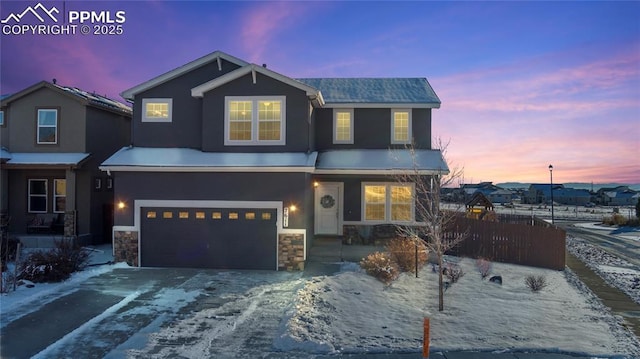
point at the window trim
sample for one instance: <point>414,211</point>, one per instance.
<point>393,127</point>
<point>56,196</point>
<point>57,126</point>
<point>168,101</point>
<point>387,203</point>
<point>46,195</point>
<point>255,121</point>
<point>335,128</point>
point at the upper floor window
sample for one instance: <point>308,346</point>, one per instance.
<point>387,202</point>
<point>157,109</point>
<point>343,126</point>
<point>1,118</point>
<point>400,126</point>
<point>255,120</point>
<point>47,126</point>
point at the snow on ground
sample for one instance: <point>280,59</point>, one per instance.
<point>614,270</point>
<point>352,312</point>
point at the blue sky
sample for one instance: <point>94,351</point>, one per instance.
<point>523,84</point>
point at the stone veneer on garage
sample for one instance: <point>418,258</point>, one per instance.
<point>291,252</point>
<point>125,247</point>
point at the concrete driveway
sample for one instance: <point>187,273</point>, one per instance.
<point>112,315</point>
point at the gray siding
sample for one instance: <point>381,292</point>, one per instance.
<point>291,188</point>
<point>372,129</point>
<point>186,126</point>
<point>22,124</point>
<point>297,114</point>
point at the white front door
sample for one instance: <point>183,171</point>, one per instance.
<point>328,200</point>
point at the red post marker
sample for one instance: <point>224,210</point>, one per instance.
<point>425,340</point>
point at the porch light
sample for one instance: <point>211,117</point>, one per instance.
<point>292,208</point>
<point>121,205</point>
<point>316,184</point>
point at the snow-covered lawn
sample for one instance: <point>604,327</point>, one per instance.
<point>353,312</point>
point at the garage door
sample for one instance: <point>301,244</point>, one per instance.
<point>241,238</point>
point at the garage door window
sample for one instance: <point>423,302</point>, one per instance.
<point>167,215</point>
<point>216,215</point>
<point>183,215</point>
<point>250,215</point>
<point>266,216</point>
<point>233,215</point>
<point>151,214</point>
<point>199,215</point>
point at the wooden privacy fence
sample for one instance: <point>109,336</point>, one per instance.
<point>516,239</point>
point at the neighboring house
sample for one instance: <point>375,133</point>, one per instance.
<point>618,196</point>
<point>540,193</point>
<point>494,193</point>
<point>236,166</point>
<point>571,196</point>
<point>53,139</point>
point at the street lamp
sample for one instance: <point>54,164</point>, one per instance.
<point>551,175</point>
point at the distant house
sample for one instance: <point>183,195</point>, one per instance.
<point>618,196</point>
<point>54,138</point>
<point>539,193</point>
<point>571,196</point>
<point>492,192</point>
<point>237,166</point>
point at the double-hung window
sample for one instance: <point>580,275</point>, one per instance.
<point>37,196</point>
<point>388,202</point>
<point>47,126</point>
<point>400,126</point>
<point>157,109</point>
<point>343,126</point>
<point>255,120</point>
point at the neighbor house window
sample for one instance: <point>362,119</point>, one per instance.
<point>342,126</point>
<point>400,126</point>
<point>157,109</point>
<point>37,196</point>
<point>59,195</point>
<point>47,126</point>
<point>1,118</point>
<point>255,120</point>
<point>387,202</point>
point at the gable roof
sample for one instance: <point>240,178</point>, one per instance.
<point>375,92</point>
<point>214,56</point>
<point>311,92</point>
<point>84,97</point>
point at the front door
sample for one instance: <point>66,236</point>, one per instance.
<point>328,199</point>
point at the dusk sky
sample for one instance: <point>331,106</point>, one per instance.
<point>522,84</point>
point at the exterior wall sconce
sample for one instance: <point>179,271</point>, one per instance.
<point>316,184</point>
<point>293,208</point>
<point>122,205</point>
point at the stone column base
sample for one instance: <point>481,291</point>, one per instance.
<point>291,252</point>
<point>125,247</point>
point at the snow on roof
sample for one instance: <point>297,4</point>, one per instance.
<point>5,154</point>
<point>139,158</point>
<point>409,91</point>
<point>97,99</point>
<point>40,158</point>
<point>377,160</point>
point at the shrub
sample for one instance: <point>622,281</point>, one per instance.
<point>8,248</point>
<point>453,272</point>
<point>484,267</point>
<point>381,266</point>
<point>403,253</point>
<point>536,282</point>
<point>615,220</point>
<point>54,265</point>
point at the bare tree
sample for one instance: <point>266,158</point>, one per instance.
<point>430,229</point>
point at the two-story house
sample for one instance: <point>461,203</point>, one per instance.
<point>233,165</point>
<point>53,140</point>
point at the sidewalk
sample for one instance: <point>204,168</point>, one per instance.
<point>462,355</point>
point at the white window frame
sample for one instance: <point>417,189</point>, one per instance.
<point>45,195</point>
<point>387,205</point>
<point>56,196</point>
<point>1,117</point>
<point>335,128</point>
<point>254,141</point>
<point>38,126</point>
<point>168,101</point>
<point>393,126</point>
